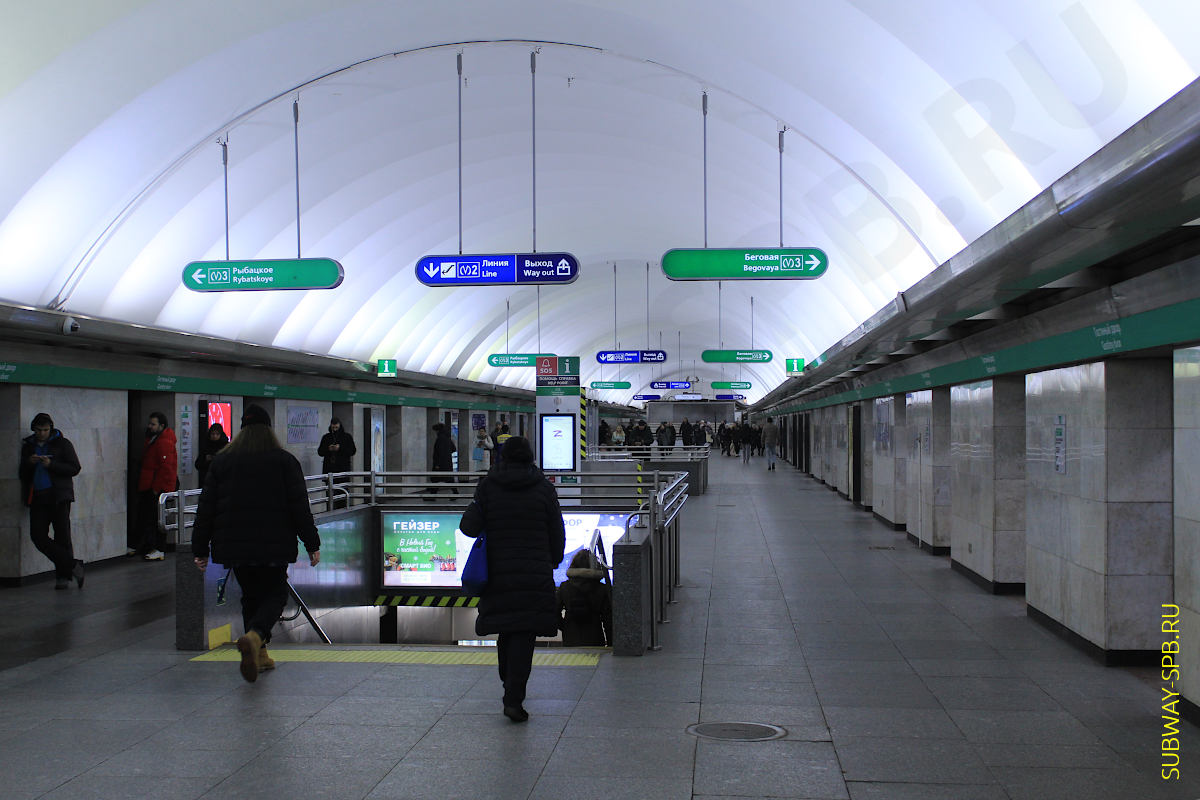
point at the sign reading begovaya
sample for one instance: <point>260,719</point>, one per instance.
<point>788,263</point>
<point>497,270</point>
<point>736,356</point>
<point>258,276</point>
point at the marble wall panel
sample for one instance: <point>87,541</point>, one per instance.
<point>1186,512</point>
<point>1135,611</point>
<point>1188,682</point>
<point>867,449</point>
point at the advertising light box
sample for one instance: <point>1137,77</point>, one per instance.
<point>427,551</point>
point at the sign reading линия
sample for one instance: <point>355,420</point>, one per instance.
<point>775,263</point>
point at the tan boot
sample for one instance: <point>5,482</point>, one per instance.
<point>249,646</point>
<point>265,662</point>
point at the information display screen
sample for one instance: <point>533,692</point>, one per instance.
<point>221,414</point>
<point>426,550</point>
<point>558,443</point>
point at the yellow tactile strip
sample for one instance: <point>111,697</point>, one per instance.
<point>486,657</point>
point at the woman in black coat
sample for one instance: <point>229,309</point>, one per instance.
<point>253,507</point>
<point>213,443</point>
<point>586,604</point>
<point>518,510</point>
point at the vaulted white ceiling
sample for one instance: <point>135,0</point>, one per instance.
<point>911,128</point>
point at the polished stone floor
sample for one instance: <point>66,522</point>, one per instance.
<point>894,677</point>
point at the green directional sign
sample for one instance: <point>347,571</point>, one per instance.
<point>611,385</point>
<point>795,366</point>
<point>258,276</point>
<point>731,384</point>
<point>515,359</point>
<point>775,263</point>
<point>735,356</point>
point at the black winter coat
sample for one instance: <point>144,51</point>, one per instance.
<point>209,448</point>
<point>253,507</point>
<point>586,605</point>
<point>339,460</point>
<point>64,465</point>
<point>517,509</point>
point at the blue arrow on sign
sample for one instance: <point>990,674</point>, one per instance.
<point>497,270</point>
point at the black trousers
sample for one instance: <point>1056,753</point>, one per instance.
<point>514,657</point>
<point>264,593</point>
<point>146,533</point>
<point>58,549</point>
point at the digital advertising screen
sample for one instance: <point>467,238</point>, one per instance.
<point>558,443</point>
<point>221,414</point>
<point>427,550</point>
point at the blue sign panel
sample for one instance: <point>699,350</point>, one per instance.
<point>632,356</point>
<point>497,270</point>
<point>647,397</point>
<point>731,397</point>
<point>670,384</point>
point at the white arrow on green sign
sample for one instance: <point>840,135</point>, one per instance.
<point>264,275</point>
<point>736,356</point>
<point>731,384</point>
<point>774,263</point>
<point>611,385</point>
<point>516,359</point>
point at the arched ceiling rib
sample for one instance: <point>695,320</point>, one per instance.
<point>912,130</point>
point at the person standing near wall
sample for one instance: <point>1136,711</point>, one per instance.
<point>159,473</point>
<point>518,509</point>
<point>443,455</point>
<point>336,448</point>
<point>46,468</point>
<point>212,444</point>
<point>770,440</point>
<point>250,513</point>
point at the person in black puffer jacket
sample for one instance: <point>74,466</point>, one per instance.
<point>586,604</point>
<point>47,466</point>
<point>518,509</point>
<point>253,507</point>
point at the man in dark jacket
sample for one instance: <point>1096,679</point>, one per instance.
<point>46,468</point>
<point>443,454</point>
<point>253,507</point>
<point>336,448</point>
<point>518,508</point>
<point>159,473</point>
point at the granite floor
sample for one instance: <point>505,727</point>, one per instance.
<point>894,677</point>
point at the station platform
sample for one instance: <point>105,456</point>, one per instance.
<point>893,676</point>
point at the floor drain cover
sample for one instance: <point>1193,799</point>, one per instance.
<point>737,731</point>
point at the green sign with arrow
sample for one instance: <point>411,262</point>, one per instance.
<point>731,384</point>
<point>259,276</point>
<point>610,385</point>
<point>735,356</point>
<point>775,263</point>
<point>516,359</point>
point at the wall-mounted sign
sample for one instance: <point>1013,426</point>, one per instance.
<point>386,368</point>
<point>731,384</point>
<point>795,366</point>
<point>631,356</point>
<point>611,385</point>
<point>258,276</point>
<point>515,359</point>
<point>670,384</point>
<point>775,263</point>
<point>493,270</point>
<point>738,356</point>
<point>689,396</point>
<point>731,397</point>
<point>647,397</point>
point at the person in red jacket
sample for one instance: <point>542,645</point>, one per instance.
<point>159,473</point>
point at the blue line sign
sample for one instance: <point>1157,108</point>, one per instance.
<point>497,270</point>
<point>647,397</point>
<point>731,397</point>
<point>632,356</point>
<point>670,384</point>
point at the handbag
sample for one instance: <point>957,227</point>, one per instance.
<point>475,571</point>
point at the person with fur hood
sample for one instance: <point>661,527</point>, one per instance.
<point>585,603</point>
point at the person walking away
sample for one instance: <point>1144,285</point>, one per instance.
<point>746,437</point>
<point>686,433</point>
<point>212,445</point>
<point>46,468</point>
<point>336,448</point>
<point>252,509</point>
<point>159,474</point>
<point>443,451</point>
<point>518,509</point>
<point>770,439</point>
<point>585,603</point>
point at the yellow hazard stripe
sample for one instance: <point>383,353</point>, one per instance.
<point>426,600</point>
<point>485,656</point>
